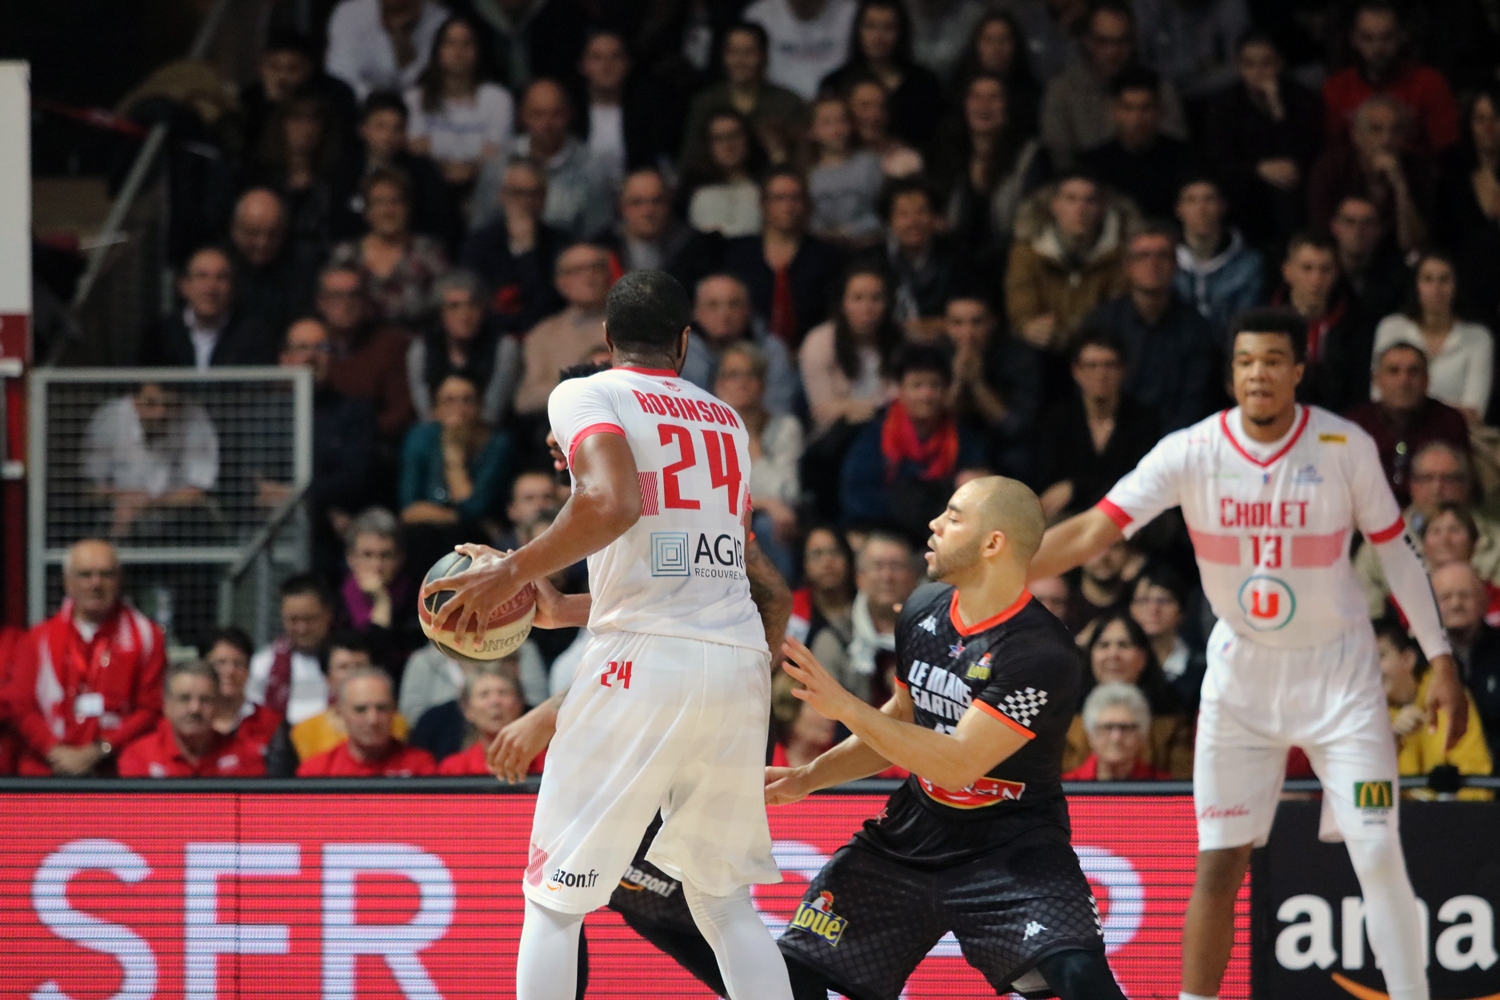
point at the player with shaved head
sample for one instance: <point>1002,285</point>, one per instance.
<point>977,840</point>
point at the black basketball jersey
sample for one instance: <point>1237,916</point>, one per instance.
<point>1020,666</point>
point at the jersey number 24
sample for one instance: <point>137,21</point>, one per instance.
<point>723,465</point>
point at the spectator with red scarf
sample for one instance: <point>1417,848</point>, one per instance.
<point>491,700</point>
<point>900,468</point>
<point>86,681</point>
<point>366,703</point>
<point>185,743</point>
<point>290,675</point>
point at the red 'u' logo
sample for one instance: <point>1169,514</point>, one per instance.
<point>1272,606</point>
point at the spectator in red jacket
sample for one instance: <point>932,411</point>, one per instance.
<point>185,743</point>
<point>1382,66</point>
<point>86,681</point>
<point>491,700</point>
<point>227,651</point>
<point>1117,719</point>
<point>367,706</point>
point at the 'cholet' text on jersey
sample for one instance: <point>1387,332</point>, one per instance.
<point>680,569</point>
<point>1270,524</point>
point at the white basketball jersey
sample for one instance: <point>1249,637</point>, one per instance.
<point>680,570</point>
<point>1269,523</point>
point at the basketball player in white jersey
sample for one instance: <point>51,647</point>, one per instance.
<point>669,708</point>
<point>1270,491</point>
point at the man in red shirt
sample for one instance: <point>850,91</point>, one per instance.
<point>1382,67</point>
<point>86,681</point>
<point>185,743</point>
<point>367,705</point>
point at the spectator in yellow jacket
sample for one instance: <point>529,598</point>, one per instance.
<point>347,652</point>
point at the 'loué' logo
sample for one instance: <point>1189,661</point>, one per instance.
<point>817,917</point>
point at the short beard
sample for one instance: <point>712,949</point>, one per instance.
<point>1261,421</point>
<point>945,565</point>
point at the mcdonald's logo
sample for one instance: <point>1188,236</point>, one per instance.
<point>1373,795</point>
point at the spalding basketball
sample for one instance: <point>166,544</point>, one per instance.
<point>507,627</point>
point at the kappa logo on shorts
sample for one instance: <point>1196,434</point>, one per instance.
<point>669,554</point>
<point>817,917</point>
<point>1033,928</point>
<point>1374,796</point>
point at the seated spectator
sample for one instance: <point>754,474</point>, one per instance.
<point>451,470</point>
<point>774,113</point>
<point>880,47</point>
<point>288,66</point>
<point>806,39</point>
<point>1052,593</point>
<point>843,180</point>
<point>798,733</point>
<point>620,114</point>
<point>1375,166</point>
<point>462,343</point>
<point>383,125</point>
<point>303,156</point>
<point>227,651</point>
<point>1173,356</point>
<point>721,320</point>
<point>1466,219</point>
<point>209,330</point>
<point>1403,419</point>
<point>566,338</point>
<point>1382,67</point>
<point>454,115</point>
<point>382,44</point>
<point>1370,262</point>
<point>579,198</point>
<point>1067,258</point>
<point>153,459</point>
<point>398,266</point>
<point>826,598</point>
<point>1452,535</point>
<point>1190,45</point>
<point>1420,749</point>
<point>366,359</point>
<point>366,706</point>
<point>987,165</point>
<point>1460,353</point>
<point>1090,440</point>
<point>1117,722</point>
<point>1261,135</point>
<point>1476,645</point>
<point>72,714</point>
<point>925,266</point>
<point>886,574</point>
<point>273,275</point>
<point>1139,160</point>
<point>491,700</point>
<point>775,450</point>
<point>720,189</point>
<point>996,383</point>
<point>347,652</point>
<point>288,676</point>
<point>1217,270</point>
<point>901,466</point>
<point>1119,652</point>
<point>787,271</point>
<point>1339,333</point>
<point>1103,587</point>
<point>845,362</point>
<point>999,46</point>
<point>378,599</point>
<point>532,493</point>
<point>869,107</point>
<point>649,237</point>
<point>1159,604</point>
<point>1076,113</point>
<point>516,253</point>
<point>184,743</point>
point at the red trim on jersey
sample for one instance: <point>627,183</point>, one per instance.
<point>1316,551</point>
<point>1384,536</point>
<point>989,709</point>
<point>592,429</point>
<point>988,623</point>
<point>1114,513</point>
<point>1301,426</point>
<point>1221,549</point>
<point>901,684</point>
<point>653,372</point>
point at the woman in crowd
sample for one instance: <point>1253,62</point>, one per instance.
<point>451,469</point>
<point>986,166</point>
<point>880,47</point>
<point>1459,353</point>
<point>998,48</point>
<point>843,180</point>
<point>228,650</point>
<point>775,114</point>
<point>460,342</point>
<point>301,159</point>
<point>1451,535</point>
<point>720,189</point>
<point>844,361</point>
<point>1467,218</point>
<point>455,115</point>
<point>491,700</point>
<point>775,450</point>
<point>826,599</point>
<point>399,267</point>
<point>1158,603</point>
<point>868,103</point>
<point>378,598</point>
<point>1117,720</point>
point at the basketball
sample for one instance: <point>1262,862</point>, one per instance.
<point>507,627</point>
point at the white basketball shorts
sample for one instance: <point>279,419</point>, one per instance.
<point>653,722</point>
<point>1258,702</point>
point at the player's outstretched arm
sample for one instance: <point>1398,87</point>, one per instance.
<point>1073,543</point>
<point>949,760</point>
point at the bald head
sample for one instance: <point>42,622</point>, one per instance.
<point>259,226</point>
<point>91,578</point>
<point>992,525</point>
<point>1460,597</point>
<point>1009,506</point>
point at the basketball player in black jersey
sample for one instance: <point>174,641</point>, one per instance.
<point>977,840</point>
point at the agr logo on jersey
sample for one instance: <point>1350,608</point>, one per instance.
<point>817,917</point>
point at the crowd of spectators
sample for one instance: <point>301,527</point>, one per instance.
<point>926,240</point>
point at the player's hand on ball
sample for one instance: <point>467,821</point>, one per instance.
<point>516,746</point>
<point>484,586</point>
<point>1445,693</point>
<point>819,688</point>
<point>784,785</point>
